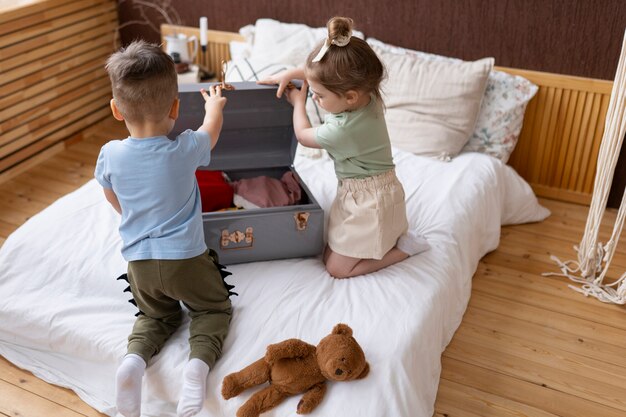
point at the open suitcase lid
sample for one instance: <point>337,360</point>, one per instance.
<point>257,131</point>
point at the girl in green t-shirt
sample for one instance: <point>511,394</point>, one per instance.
<point>367,227</point>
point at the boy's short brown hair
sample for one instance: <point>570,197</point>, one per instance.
<point>143,80</point>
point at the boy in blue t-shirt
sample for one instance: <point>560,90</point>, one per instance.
<point>150,180</point>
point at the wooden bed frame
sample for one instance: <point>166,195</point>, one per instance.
<point>560,140</point>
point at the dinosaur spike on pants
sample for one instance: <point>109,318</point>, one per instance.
<point>123,276</point>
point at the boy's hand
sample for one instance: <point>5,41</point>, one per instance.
<point>213,98</point>
<point>296,97</point>
<point>213,117</point>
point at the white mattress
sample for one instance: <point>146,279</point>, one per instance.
<point>65,318</point>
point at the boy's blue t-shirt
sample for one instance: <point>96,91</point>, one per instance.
<point>154,181</point>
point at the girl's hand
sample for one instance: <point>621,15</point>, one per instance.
<point>283,79</point>
<point>296,97</point>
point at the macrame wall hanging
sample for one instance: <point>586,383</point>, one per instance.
<point>594,258</point>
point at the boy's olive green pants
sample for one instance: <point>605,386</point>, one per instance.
<point>159,286</point>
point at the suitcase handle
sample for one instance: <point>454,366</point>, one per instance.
<point>231,240</point>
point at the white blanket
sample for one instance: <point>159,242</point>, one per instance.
<point>64,317</point>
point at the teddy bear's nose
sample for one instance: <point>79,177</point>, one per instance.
<point>338,372</point>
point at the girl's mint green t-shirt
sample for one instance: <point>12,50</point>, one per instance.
<point>357,141</point>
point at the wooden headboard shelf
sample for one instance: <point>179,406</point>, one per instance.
<point>563,126</point>
<point>217,48</point>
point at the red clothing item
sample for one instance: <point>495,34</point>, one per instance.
<point>215,192</point>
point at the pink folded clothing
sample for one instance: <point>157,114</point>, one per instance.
<point>269,192</point>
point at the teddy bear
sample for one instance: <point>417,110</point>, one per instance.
<point>295,367</point>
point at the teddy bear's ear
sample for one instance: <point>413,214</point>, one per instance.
<point>366,371</point>
<point>342,329</point>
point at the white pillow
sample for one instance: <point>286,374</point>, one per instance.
<point>286,43</point>
<point>432,106</point>
<point>248,69</point>
<point>502,110</point>
<point>242,49</point>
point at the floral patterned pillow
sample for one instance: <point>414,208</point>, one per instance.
<point>502,109</point>
<point>501,115</point>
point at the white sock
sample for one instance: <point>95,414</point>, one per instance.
<point>412,243</point>
<point>128,385</point>
<point>194,388</point>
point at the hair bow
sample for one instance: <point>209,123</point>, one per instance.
<point>341,41</point>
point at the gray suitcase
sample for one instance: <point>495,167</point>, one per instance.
<point>257,139</point>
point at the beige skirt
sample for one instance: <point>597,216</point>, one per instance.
<point>367,216</point>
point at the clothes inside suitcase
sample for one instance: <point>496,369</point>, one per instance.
<point>257,139</point>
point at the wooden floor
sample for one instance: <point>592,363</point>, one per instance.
<point>528,346</point>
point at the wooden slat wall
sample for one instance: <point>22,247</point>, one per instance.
<point>52,83</point>
<point>563,125</point>
<point>559,143</point>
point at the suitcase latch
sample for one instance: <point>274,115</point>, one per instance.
<point>302,220</point>
<point>223,77</point>
<point>233,240</point>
